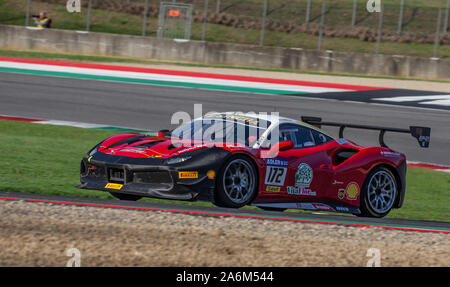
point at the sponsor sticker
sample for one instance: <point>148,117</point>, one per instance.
<point>191,148</point>
<point>323,207</point>
<point>337,182</point>
<point>211,174</point>
<point>155,156</point>
<point>114,186</point>
<point>304,175</point>
<point>341,193</point>
<point>389,153</point>
<point>276,171</point>
<point>300,191</point>
<point>352,191</point>
<point>341,141</point>
<point>342,209</point>
<point>237,117</point>
<point>276,162</point>
<point>271,188</point>
<point>314,206</point>
<point>188,174</point>
<point>135,150</point>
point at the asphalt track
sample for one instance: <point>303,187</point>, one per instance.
<point>386,223</point>
<point>151,107</point>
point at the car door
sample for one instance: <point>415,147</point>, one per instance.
<point>309,168</point>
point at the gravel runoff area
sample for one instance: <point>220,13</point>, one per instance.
<point>39,234</point>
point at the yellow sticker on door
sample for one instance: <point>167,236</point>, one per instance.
<point>271,188</point>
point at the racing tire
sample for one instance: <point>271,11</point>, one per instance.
<point>129,197</point>
<point>379,193</point>
<point>237,183</point>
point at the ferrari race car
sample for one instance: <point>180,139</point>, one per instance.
<point>235,159</point>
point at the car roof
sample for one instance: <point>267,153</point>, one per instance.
<point>261,116</point>
<point>273,118</point>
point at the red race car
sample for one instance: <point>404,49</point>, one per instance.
<point>235,159</point>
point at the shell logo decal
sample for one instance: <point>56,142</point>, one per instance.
<point>304,175</point>
<point>352,191</point>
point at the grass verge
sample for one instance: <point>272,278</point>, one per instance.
<point>106,59</point>
<point>45,159</point>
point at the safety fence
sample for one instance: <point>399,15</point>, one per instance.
<point>406,27</point>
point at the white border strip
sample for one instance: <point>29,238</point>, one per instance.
<point>168,78</point>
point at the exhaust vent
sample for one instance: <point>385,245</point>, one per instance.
<point>343,155</point>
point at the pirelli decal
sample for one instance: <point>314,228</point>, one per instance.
<point>188,174</point>
<point>114,186</point>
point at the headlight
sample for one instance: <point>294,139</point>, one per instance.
<point>93,151</point>
<point>176,160</point>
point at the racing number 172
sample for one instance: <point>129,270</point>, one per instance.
<point>275,175</point>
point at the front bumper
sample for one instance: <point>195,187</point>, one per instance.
<point>147,177</point>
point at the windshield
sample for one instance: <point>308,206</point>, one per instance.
<point>223,129</point>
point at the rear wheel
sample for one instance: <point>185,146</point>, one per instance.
<point>129,197</point>
<point>237,183</point>
<point>379,193</point>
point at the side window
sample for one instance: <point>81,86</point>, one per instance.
<point>287,134</point>
<point>301,137</point>
<point>321,138</point>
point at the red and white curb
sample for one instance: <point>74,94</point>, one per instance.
<point>67,123</point>
<point>432,166</point>
<point>424,165</point>
<point>206,80</point>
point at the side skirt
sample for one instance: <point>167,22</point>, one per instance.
<point>311,206</point>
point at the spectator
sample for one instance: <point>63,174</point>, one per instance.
<point>43,21</point>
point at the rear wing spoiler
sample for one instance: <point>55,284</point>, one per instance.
<point>422,134</point>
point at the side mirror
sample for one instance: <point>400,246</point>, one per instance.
<point>273,151</point>
<point>161,133</point>
<point>281,146</point>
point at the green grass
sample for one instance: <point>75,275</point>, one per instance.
<point>106,59</point>
<point>427,196</point>
<point>45,159</point>
<point>12,12</point>
<point>419,15</point>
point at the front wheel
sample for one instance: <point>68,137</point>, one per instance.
<point>129,197</point>
<point>237,183</point>
<point>379,193</point>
